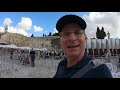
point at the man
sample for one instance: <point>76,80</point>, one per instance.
<point>11,54</point>
<point>108,56</point>
<point>72,40</point>
<point>32,56</point>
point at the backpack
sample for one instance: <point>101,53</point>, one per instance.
<point>92,64</point>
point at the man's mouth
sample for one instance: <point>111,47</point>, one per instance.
<point>73,46</point>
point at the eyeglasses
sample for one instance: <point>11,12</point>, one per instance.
<point>77,33</point>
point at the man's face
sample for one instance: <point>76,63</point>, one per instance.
<point>72,40</point>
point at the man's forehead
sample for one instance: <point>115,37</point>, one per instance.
<point>71,27</point>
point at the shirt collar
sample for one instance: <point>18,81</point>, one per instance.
<point>80,64</point>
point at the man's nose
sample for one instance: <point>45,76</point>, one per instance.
<point>72,36</point>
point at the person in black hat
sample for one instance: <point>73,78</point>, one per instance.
<point>32,56</point>
<point>72,40</point>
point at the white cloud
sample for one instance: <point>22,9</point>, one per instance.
<point>25,24</point>
<point>109,20</point>
<point>37,28</point>
<point>15,30</point>
<point>1,29</point>
<point>7,21</point>
<point>29,34</point>
<point>23,32</point>
<point>54,31</point>
<point>12,29</point>
<point>21,27</point>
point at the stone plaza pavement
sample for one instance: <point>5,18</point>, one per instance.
<point>43,69</point>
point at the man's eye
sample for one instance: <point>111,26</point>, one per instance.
<point>66,33</point>
<point>77,32</point>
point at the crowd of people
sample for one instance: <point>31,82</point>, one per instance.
<point>25,57</point>
<point>53,54</point>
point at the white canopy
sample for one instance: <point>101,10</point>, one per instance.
<point>9,46</point>
<point>28,48</point>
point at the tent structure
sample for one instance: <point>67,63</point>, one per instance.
<point>9,46</point>
<point>27,48</point>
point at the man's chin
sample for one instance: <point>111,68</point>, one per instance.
<point>73,54</point>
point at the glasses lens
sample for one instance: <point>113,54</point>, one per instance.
<point>77,33</point>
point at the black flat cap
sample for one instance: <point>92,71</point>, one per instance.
<point>70,19</point>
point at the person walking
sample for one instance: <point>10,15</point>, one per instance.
<point>32,56</point>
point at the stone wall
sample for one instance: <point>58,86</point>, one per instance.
<point>21,40</point>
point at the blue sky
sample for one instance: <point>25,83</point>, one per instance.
<point>39,23</point>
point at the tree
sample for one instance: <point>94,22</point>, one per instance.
<point>32,35</point>
<point>103,34</point>
<point>43,35</point>
<point>50,34</point>
<point>56,34</point>
<point>98,33</point>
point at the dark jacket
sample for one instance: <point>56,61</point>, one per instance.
<point>32,54</point>
<point>101,71</point>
